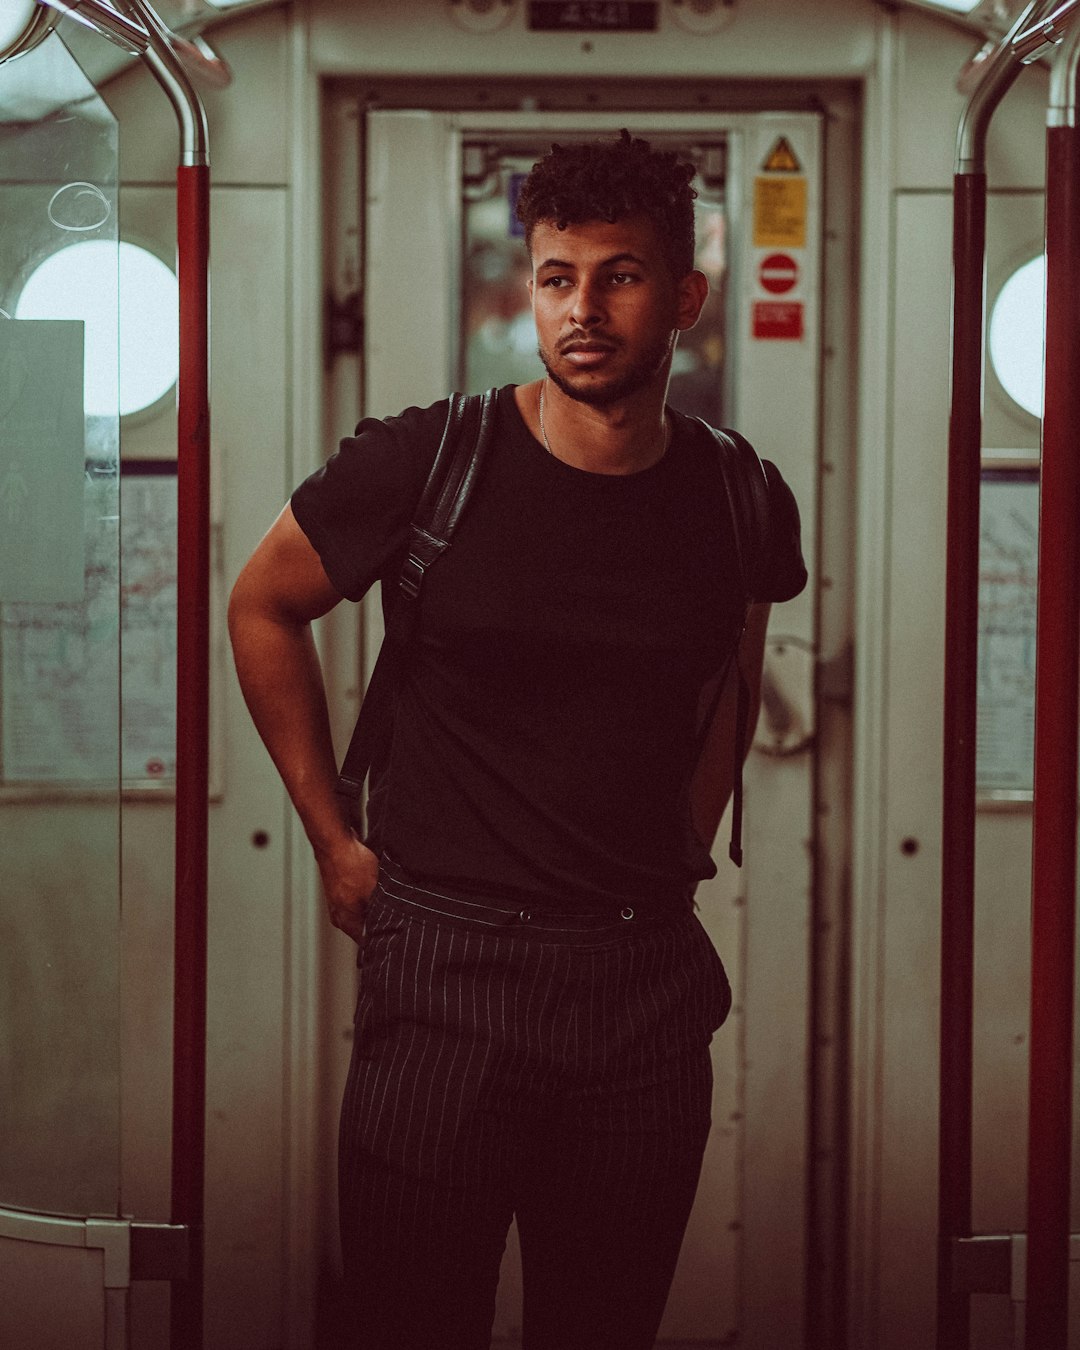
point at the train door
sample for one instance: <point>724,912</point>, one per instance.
<point>445,306</point>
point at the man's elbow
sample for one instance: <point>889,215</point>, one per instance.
<point>250,608</point>
<point>240,608</point>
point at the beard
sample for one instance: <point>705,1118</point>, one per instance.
<point>645,369</point>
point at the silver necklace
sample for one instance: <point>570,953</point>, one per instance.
<point>543,429</point>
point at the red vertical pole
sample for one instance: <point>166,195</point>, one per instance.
<point>1056,717</point>
<point>192,743</point>
<point>960,703</point>
<point>958,810</point>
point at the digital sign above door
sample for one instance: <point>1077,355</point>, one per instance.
<point>597,16</point>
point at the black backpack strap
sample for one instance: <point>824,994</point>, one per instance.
<point>465,439</point>
<point>747,488</point>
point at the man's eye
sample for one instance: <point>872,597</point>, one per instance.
<point>623,278</point>
<point>554,282</point>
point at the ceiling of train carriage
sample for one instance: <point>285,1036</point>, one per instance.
<point>191,18</point>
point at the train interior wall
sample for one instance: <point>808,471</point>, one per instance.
<point>280,980</point>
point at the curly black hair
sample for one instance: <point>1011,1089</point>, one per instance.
<point>609,180</point>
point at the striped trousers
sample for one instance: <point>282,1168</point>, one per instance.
<point>549,1067</point>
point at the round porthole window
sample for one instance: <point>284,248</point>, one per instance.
<point>105,285</point>
<point>1018,333</point>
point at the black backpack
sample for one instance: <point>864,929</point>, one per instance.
<point>458,461</point>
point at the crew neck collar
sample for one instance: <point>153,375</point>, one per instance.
<point>507,397</point>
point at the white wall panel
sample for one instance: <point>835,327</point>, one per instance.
<point>249,915</point>
<point>249,900</point>
<point>411,176</point>
<point>930,57</point>
<point>912,883</point>
<point>248,121</point>
<point>1002,984</point>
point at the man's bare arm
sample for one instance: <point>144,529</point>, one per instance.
<point>714,779</point>
<point>280,591</point>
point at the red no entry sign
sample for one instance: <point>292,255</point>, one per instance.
<point>778,273</point>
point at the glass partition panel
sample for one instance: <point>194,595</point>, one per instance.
<point>59,641</point>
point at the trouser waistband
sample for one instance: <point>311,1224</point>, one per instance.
<point>592,923</point>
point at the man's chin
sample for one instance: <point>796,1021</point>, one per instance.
<point>595,389</point>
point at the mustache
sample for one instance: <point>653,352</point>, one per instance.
<point>578,340</point>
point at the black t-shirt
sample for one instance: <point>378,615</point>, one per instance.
<point>546,723</point>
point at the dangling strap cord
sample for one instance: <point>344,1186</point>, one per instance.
<point>742,714</point>
<point>742,717</point>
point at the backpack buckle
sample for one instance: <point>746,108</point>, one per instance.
<point>412,576</point>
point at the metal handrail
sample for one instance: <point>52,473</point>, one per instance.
<point>168,70</point>
<point>103,19</point>
<point>961,673</point>
<point>1045,34</point>
<point>193,669</point>
<point>996,78</point>
<point>1057,733</point>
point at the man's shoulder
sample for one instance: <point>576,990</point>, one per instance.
<point>706,439</point>
<point>418,428</point>
<point>410,426</point>
<point>767,515</point>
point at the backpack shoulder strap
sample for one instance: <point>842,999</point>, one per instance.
<point>747,488</point>
<point>465,439</point>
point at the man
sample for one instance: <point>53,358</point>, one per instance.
<point>537,996</point>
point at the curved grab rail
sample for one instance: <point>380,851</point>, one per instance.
<point>193,667</point>
<point>996,77</point>
<point>1044,34</point>
<point>168,69</point>
<point>103,19</point>
<point>961,673</point>
<point>1057,718</point>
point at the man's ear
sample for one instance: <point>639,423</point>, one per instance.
<point>693,292</point>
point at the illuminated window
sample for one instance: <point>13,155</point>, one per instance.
<point>1017,335</point>
<point>81,282</point>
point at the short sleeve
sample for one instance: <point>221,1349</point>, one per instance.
<point>784,573</point>
<point>356,509</point>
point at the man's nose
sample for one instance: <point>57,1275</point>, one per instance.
<point>587,310</point>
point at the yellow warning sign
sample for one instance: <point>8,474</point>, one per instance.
<point>779,212</point>
<point>781,158</point>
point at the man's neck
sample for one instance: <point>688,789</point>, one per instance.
<point>618,438</point>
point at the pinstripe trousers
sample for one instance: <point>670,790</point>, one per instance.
<point>549,1066</point>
